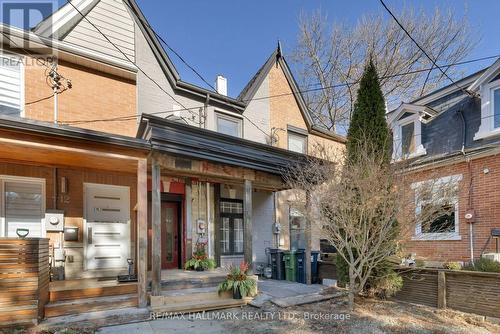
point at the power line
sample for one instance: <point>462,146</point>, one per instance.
<point>446,66</point>
<point>195,71</point>
<point>300,91</point>
<point>126,56</point>
<point>423,51</point>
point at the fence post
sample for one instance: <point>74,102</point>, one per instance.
<point>441,303</point>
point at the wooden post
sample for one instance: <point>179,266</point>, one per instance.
<point>217,222</point>
<point>247,216</point>
<point>189,224</point>
<point>142,231</point>
<point>308,234</point>
<point>156,230</point>
<point>441,289</point>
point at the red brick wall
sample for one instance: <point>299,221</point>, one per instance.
<point>485,193</point>
<point>95,95</point>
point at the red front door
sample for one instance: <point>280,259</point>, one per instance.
<point>169,235</point>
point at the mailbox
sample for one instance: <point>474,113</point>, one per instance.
<point>71,233</point>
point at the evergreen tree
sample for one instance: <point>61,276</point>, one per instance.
<point>368,124</point>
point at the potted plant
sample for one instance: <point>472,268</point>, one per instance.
<point>200,260</point>
<point>238,282</point>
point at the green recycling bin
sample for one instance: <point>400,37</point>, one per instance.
<point>290,265</point>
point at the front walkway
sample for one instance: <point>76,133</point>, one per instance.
<point>268,289</point>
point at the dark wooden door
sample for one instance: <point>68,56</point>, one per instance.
<point>169,235</point>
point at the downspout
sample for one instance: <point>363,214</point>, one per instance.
<point>469,169</point>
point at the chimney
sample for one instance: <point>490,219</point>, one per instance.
<point>221,85</point>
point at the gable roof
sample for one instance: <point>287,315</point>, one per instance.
<point>256,81</point>
<point>66,18</point>
<point>486,76</point>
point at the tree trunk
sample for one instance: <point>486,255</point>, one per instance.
<point>352,287</point>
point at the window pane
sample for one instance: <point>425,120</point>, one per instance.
<point>496,105</point>
<point>238,235</point>
<point>297,229</point>
<point>408,138</point>
<point>231,207</point>
<point>23,208</point>
<point>296,142</point>
<point>229,126</point>
<point>224,241</point>
<point>442,219</point>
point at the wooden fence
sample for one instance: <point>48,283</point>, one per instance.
<point>467,291</point>
<point>24,280</point>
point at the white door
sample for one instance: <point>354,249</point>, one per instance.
<point>107,228</point>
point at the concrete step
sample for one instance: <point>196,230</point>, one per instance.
<point>82,305</point>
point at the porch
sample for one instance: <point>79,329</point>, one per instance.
<point>224,188</point>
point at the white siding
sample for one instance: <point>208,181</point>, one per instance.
<point>262,224</point>
<point>113,19</point>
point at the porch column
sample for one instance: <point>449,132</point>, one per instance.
<point>156,229</point>
<point>308,238</point>
<point>247,216</point>
<point>142,231</point>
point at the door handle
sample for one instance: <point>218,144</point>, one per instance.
<point>89,235</point>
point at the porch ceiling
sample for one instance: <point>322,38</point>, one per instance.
<point>41,143</point>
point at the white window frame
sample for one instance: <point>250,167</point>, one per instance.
<point>487,128</point>
<point>397,151</point>
<point>22,97</point>
<point>9,178</point>
<point>421,236</point>
<point>297,134</point>
<point>232,118</point>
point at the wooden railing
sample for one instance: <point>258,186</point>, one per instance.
<point>24,280</point>
<point>467,291</point>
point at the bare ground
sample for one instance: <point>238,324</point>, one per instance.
<point>370,316</point>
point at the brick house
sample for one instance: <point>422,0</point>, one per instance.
<point>453,132</point>
<point>126,160</point>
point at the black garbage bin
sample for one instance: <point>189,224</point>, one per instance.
<point>277,264</point>
<point>314,267</point>
<point>301,265</point>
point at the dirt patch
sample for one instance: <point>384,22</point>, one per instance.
<point>370,316</point>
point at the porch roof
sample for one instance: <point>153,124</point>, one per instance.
<point>197,143</point>
<point>37,142</point>
<point>35,127</point>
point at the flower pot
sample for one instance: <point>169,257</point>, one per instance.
<point>236,294</point>
<point>200,269</point>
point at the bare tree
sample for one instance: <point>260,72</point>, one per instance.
<point>329,54</point>
<point>367,209</point>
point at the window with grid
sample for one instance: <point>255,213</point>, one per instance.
<point>231,227</point>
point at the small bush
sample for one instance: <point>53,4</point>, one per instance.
<point>484,265</point>
<point>452,266</point>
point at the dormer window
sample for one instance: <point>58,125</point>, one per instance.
<point>488,87</point>
<point>495,100</point>
<point>406,124</point>
<point>408,139</point>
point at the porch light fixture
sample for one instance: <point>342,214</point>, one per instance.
<point>64,185</point>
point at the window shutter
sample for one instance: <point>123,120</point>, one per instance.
<point>10,86</point>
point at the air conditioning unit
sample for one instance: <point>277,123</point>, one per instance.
<point>492,256</point>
